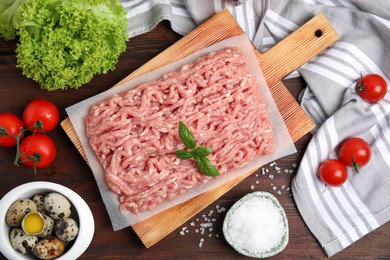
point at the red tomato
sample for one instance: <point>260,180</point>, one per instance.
<point>37,151</point>
<point>355,153</point>
<point>371,88</point>
<point>10,126</point>
<point>41,113</point>
<point>333,172</point>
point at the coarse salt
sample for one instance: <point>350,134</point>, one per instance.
<point>256,225</point>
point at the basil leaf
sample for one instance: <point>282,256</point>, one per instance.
<point>204,166</point>
<point>182,154</point>
<point>201,151</point>
<point>186,137</point>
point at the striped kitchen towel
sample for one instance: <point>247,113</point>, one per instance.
<point>336,216</point>
<point>144,15</point>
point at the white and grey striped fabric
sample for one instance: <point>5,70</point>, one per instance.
<point>336,216</point>
<point>144,15</point>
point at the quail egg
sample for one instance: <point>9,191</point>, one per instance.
<point>18,210</point>
<point>48,228</point>
<point>22,242</point>
<point>36,223</point>
<point>66,229</point>
<point>39,200</point>
<point>57,206</point>
<point>49,248</point>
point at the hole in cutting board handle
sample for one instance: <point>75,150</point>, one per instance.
<point>318,33</point>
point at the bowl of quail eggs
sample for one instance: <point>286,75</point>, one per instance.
<point>44,220</point>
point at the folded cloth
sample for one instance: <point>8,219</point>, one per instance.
<point>337,217</point>
<point>144,15</point>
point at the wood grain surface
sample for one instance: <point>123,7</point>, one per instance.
<point>278,62</point>
<point>71,170</point>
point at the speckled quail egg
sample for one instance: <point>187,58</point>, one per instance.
<point>57,206</point>
<point>49,248</point>
<point>48,229</point>
<point>18,210</point>
<point>39,200</point>
<point>66,229</point>
<point>22,242</point>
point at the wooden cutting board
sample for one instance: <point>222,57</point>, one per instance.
<point>285,57</point>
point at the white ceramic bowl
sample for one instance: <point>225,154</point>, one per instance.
<point>28,190</point>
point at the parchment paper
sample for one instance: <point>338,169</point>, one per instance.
<point>78,113</point>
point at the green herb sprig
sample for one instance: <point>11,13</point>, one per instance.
<point>197,153</point>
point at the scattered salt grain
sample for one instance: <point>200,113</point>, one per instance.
<point>204,226</point>
<point>294,165</point>
<point>201,242</point>
<point>221,210</point>
<point>252,187</point>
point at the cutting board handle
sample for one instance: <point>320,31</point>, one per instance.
<point>297,48</point>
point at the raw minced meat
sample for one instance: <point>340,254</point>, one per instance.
<point>134,134</point>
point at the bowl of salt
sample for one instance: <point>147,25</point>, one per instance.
<point>257,226</point>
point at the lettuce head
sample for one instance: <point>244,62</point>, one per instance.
<point>64,43</point>
<point>8,10</point>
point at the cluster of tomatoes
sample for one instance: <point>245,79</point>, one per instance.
<point>33,147</point>
<point>353,152</point>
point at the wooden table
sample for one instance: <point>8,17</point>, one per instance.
<point>186,242</point>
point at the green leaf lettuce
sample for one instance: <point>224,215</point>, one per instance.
<point>64,43</point>
<point>8,10</point>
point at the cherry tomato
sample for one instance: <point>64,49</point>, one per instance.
<point>41,113</point>
<point>10,126</point>
<point>371,88</point>
<point>333,172</point>
<point>37,151</point>
<point>355,153</point>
